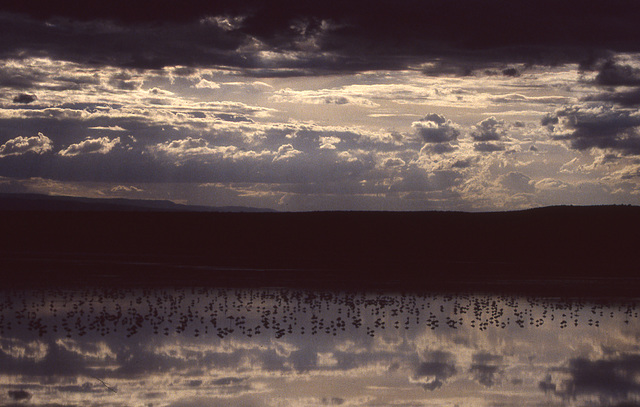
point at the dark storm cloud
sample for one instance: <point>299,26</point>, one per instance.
<point>609,378</point>
<point>19,395</point>
<point>510,72</point>
<point>226,381</point>
<point>193,383</point>
<point>19,78</point>
<point>484,374</point>
<point>84,388</point>
<point>489,129</point>
<point>390,34</point>
<point>612,74</point>
<point>435,371</point>
<point>602,127</point>
<point>625,98</point>
<point>485,367</point>
<point>333,401</point>
<point>24,98</point>
<point>547,385</point>
<point>487,147</point>
<point>102,43</point>
<point>466,163</point>
<point>439,369</point>
<point>438,148</point>
<point>434,128</point>
<point>233,118</point>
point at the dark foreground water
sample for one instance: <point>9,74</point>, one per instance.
<point>295,347</point>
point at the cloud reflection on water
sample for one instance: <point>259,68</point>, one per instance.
<point>276,347</point>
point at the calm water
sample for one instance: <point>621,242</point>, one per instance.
<point>254,348</point>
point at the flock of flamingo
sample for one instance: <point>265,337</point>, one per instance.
<point>219,312</point>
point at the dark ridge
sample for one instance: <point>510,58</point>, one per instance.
<point>556,250</point>
<point>38,202</point>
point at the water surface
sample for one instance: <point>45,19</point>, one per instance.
<point>287,347</point>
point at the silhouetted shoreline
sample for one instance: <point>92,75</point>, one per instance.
<point>556,251</point>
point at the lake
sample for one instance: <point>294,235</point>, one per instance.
<point>277,347</point>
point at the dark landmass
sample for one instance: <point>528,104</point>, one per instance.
<point>37,202</point>
<point>565,251</point>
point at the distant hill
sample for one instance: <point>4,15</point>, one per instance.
<point>38,202</point>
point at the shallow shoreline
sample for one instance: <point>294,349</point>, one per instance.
<point>60,272</point>
<point>559,251</point>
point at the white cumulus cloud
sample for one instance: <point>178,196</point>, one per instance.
<point>39,144</point>
<point>100,145</point>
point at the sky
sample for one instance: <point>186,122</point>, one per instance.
<point>97,347</point>
<point>323,105</point>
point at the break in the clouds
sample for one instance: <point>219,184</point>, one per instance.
<point>321,106</point>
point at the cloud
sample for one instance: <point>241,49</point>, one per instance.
<point>185,147</point>
<point>39,144</point>
<point>193,383</point>
<point>206,84</point>
<point>589,126</point>
<point>242,401</point>
<point>19,395</point>
<point>304,360</point>
<point>432,374</point>
<point>107,128</point>
<point>91,351</point>
<point>117,44</point>
<point>434,128</point>
<point>485,367</point>
<point>227,381</point>
<point>17,78</point>
<point>489,129</point>
<point>510,72</point>
<point>232,118</point>
<point>393,162</point>
<point>333,401</point>
<point>414,178</point>
<point>305,37</point>
<point>125,188</point>
<point>101,145</point>
<point>518,182</point>
<point>24,98</point>
<point>612,74</point>
<point>552,184</point>
<point>488,147</point>
<point>286,152</point>
<point>437,148</point>
<point>197,157</point>
<point>625,98</point>
<point>518,98</point>
<point>605,378</point>
<point>325,97</point>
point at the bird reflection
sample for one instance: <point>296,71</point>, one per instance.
<point>281,312</point>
